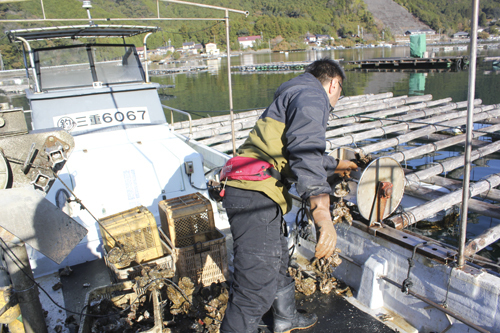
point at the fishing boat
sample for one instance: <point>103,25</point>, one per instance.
<point>121,153</point>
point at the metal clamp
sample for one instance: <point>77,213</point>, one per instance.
<point>408,283</point>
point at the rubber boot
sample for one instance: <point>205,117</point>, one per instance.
<point>286,317</point>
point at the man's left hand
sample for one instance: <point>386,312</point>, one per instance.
<point>344,168</point>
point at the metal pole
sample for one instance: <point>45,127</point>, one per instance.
<point>439,307</point>
<point>158,7</point>
<point>26,289</point>
<point>470,124</point>
<point>32,62</point>
<point>229,82</point>
<point>146,55</point>
<point>208,6</point>
<point>43,10</point>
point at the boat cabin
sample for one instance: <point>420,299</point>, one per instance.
<point>88,86</point>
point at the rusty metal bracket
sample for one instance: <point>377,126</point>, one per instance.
<point>383,193</point>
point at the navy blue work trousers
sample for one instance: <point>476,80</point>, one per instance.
<point>260,258</point>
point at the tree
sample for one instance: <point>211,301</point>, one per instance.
<point>483,35</point>
<point>482,20</point>
<point>176,55</point>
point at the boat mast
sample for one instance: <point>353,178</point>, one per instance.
<point>470,124</point>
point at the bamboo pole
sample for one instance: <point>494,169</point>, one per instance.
<point>209,120</point>
<point>360,104</point>
<point>450,164</point>
<point>333,121</point>
<point>331,144</point>
<point>488,237</point>
<point>222,130</point>
<point>430,208</point>
<point>353,138</point>
<point>477,206</point>
<point>366,97</point>
<point>258,112</point>
<point>492,121</point>
<point>439,137</point>
<point>453,185</point>
<point>425,112</point>
<point>401,156</point>
<point>226,147</point>
<point>399,99</point>
<point>219,125</point>
<point>224,137</point>
<point>364,109</point>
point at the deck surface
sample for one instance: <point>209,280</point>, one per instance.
<point>335,313</point>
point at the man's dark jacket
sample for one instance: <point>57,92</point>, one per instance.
<point>290,135</point>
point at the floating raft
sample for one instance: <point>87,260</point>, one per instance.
<point>175,70</point>
<point>271,67</point>
<point>384,125</point>
<point>403,70</point>
<point>459,62</point>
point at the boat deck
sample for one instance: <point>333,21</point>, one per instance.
<point>335,313</point>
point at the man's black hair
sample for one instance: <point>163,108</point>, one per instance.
<point>325,69</point>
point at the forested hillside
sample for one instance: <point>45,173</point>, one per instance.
<point>290,19</point>
<point>451,16</point>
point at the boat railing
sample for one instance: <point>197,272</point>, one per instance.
<point>172,110</point>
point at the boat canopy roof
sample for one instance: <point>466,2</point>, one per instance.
<point>80,31</point>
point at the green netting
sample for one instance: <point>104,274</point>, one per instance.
<point>417,46</point>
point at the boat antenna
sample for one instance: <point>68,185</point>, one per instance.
<point>226,20</point>
<point>87,5</point>
<point>470,124</point>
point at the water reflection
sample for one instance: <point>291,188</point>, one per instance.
<point>417,84</point>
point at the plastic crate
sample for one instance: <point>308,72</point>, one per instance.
<point>119,292</point>
<point>203,262</point>
<point>135,228</point>
<point>130,272</point>
<point>187,219</point>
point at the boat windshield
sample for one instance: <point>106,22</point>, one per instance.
<point>87,65</point>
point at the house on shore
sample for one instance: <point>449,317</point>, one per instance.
<point>248,41</point>
<point>420,32</point>
<point>211,49</point>
<point>461,35</point>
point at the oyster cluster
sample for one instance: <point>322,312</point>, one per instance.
<point>318,275</point>
<point>341,212</point>
<point>184,306</point>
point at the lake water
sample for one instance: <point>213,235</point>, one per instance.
<point>208,91</point>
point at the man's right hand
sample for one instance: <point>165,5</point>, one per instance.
<point>320,209</point>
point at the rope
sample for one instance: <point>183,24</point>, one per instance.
<point>418,178</point>
<point>404,159</point>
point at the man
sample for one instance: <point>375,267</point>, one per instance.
<point>287,144</point>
